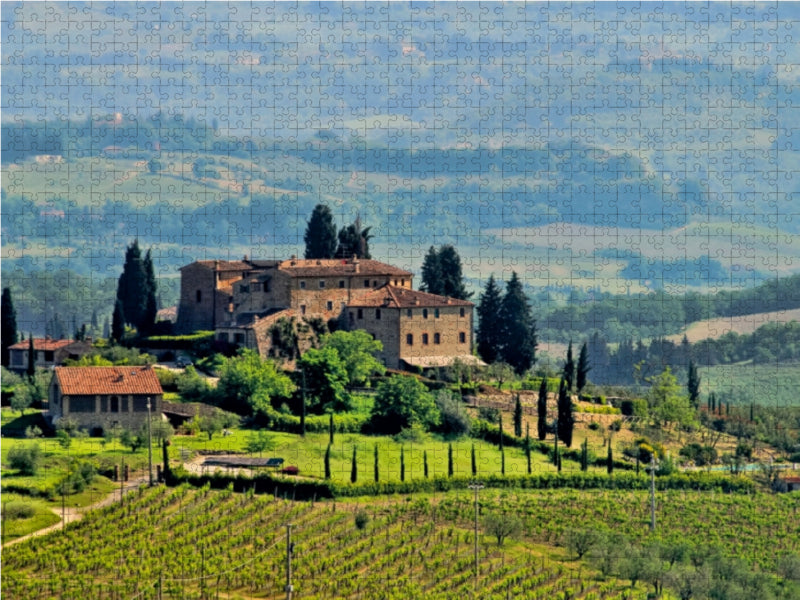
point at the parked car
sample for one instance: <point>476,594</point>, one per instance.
<point>183,362</point>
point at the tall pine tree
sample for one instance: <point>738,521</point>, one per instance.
<point>489,333</point>
<point>118,322</point>
<point>136,289</point>
<point>151,303</point>
<point>442,273</point>
<point>320,236</point>
<point>518,417</point>
<point>517,324</point>
<point>354,241</point>
<point>431,273</point>
<point>583,368</point>
<point>8,327</point>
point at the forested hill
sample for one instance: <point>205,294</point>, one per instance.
<point>642,316</point>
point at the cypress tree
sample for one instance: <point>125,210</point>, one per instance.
<point>132,287</point>
<point>8,326</point>
<point>517,324</point>
<point>354,468</point>
<point>402,463</point>
<point>31,370</point>
<point>585,455</point>
<point>330,428</point>
<point>353,240</point>
<point>150,312</point>
<point>452,274</point>
<point>555,446</point>
<point>450,460</point>
<point>518,417</point>
<point>118,322</point>
<point>569,368</point>
<point>583,368</point>
<point>693,385</point>
<point>541,410</point>
<point>610,459</point>
<point>528,446</point>
<point>425,462</point>
<point>502,462</point>
<point>474,461</point>
<point>328,462</point>
<point>566,420</point>
<point>320,236</point>
<point>375,465</point>
<point>489,332</point>
<point>500,426</point>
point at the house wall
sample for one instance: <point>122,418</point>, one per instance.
<point>448,325</point>
<point>103,411</point>
<point>385,328</point>
<point>214,304</point>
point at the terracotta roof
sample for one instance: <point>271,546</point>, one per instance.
<point>42,344</point>
<point>107,380</point>
<point>333,267</point>
<point>397,297</point>
<point>223,265</point>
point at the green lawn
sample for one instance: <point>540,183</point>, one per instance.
<point>775,384</point>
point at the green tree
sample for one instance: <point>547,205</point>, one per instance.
<point>211,424</point>
<point>118,322</point>
<point>528,447</point>
<point>489,332</point>
<point>569,369</point>
<point>357,351</point>
<point>425,463</point>
<point>22,397</point>
<point>581,541</point>
<point>133,287</point>
<point>473,461</point>
<point>8,325</point>
<point>431,273</point>
<point>354,240</point>
<point>450,465</point>
<point>320,236</point>
<point>502,526</point>
<point>541,410</point>
<point>667,404</point>
<point>148,319</point>
<point>354,468</point>
<point>517,416</point>
<point>610,459</point>
<point>566,418</point>
<point>261,441</point>
<point>454,419</point>
<point>583,368</point>
<point>402,463</point>
<point>247,384</point>
<point>375,468</point>
<point>132,440</point>
<point>517,324</point>
<point>25,458</point>
<point>693,385</point>
<point>400,402</point>
<point>328,462</point>
<point>585,455</point>
<point>325,381</point>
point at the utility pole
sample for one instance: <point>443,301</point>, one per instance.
<point>476,487</point>
<point>652,492</point>
<point>149,444</point>
<point>289,547</point>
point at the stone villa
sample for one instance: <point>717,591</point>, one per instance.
<point>242,300</point>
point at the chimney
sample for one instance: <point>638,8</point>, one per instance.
<point>449,301</point>
<point>416,301</point>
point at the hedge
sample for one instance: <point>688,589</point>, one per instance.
<point>305,489</point>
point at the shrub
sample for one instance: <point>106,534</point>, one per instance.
<point>18,510</point>
<point>636,407</point>
<point>454,419</point>
<point>25,459</point>
<point>361,519</point>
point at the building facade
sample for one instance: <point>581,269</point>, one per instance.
<point>100,398</point>
<point>48,353</point>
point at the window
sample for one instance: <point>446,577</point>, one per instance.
<point>302,309</point>
<point>81,404</point>
<point>366,283</point>
<point>199,296</point>
<point>49,355</point>
<point>435,313</point>
<point>409,339</point>
<point>266,286</point>
<point>461,312</point>
<point>374,283</point>
<point>409,313</point>
<point>341,284</point>
<point>113,405</point>
<point>321,284</point>
<point>124,407</point>
<point>302,285</point>
<point>329,305</point>
<point>360,313</point>
<point>377,314</point>
<point>424,339</point>
<point>245,289</point>
<point>238,338</point>
<point>437,338</point>
<point>462,337</point>
<point>424,313</point>
<point>222,336</point>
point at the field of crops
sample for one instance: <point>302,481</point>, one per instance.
<point>774,385</point>
<point>189,543</point>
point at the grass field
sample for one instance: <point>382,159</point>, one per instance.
<point>741,384</point>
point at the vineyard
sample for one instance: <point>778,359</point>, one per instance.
<point>199,543</point>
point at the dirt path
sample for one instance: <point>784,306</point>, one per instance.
<point>72,514</point>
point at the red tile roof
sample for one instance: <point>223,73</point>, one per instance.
<point>301,267</point>
<point>42,344</point>
<point>107,380</point>
<point>223,265</point>
<point>397,297</point>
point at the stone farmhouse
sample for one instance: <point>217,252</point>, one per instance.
<point>242,300</point>
<point>98,398</point>
<point>48,353</point>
